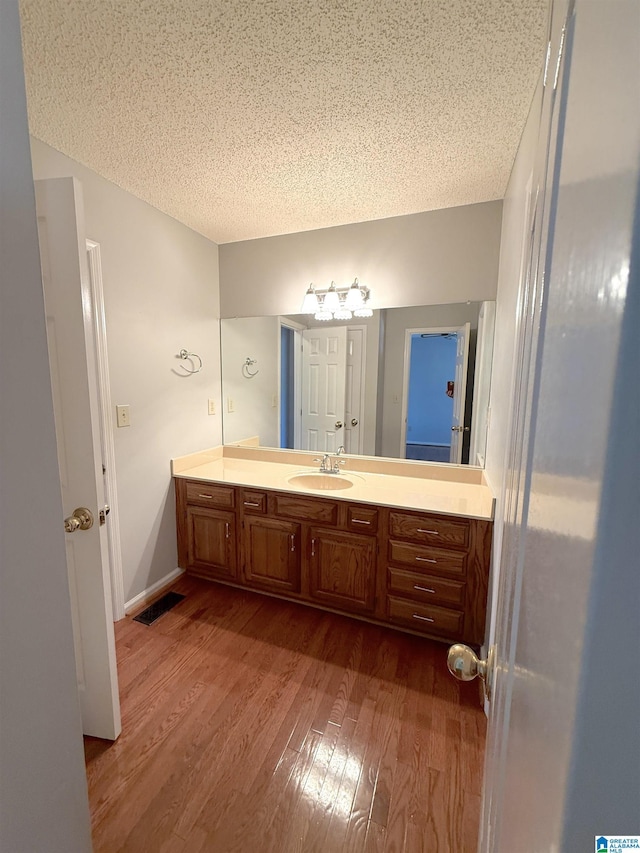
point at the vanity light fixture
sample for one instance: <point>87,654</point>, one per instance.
<point>338,303</point>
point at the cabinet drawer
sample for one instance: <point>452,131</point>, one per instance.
<point>424,588</point>
<point>305,509</point>
<point>254,501</point>
<point>209,494</point>
<point>422,617</point>
<point>362,519</point>
<point>427,560</point>
<point>430,529</point>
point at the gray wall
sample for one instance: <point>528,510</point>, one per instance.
<point>436,257</point>
<point>161,294</point>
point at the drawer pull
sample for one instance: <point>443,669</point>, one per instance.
<point>359,521</point>
<point>425,560</point>
<point>251,503</point>
<point>313,547</point>
<point>424,588</point>
<point>432,532</point>
<point>226,529</point>
<point>423,618</point>
<point>292,536</point>
<point>206,496</point>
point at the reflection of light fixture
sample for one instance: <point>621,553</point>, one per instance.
<point>310,304</point>
<point>331,299</point>
<point>355,297</point>
<point>343,312</point>
<point>338,303</point>
<point>323,314</point>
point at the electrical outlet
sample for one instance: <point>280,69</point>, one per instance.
<point>212,406</point>
<point>231,406</point>
<point>122,416</point>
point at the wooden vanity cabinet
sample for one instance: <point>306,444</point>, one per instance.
<point>437,571</point>
<point>271,554</point>
<point>416,571</point>
<point>207,529</point>
<point>211,542</point>
<point>342,570</point>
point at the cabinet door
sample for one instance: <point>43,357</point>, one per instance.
<point>272,554</point>
<point>342,569</point>
<point>211,542</point>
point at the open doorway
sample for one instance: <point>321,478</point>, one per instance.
<point>435,380</point>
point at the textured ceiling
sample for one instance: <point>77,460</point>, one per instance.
<point>248,118</point>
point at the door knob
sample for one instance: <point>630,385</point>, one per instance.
<point>465,665</point>
<point>338,424</point>
<point>81,519</point>
<point>354,422</point>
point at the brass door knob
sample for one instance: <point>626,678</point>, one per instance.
<point>465,665</point>
<point>81,519</point>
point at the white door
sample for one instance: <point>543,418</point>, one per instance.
<point>324,354</point>
<point>562,761</point>
<point>354,390</point>
<point>71,355</point>
<point>459,393</point>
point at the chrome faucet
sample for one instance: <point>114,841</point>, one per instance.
<point>325,463</point>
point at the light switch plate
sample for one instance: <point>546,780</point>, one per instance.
<point>212,406</point>
<point>122,416</point>
<point>231,406</point>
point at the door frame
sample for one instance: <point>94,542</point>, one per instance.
<point>107,443</point>
<point>440,330</point>
<point>363,375</point>
<point>297,328</point>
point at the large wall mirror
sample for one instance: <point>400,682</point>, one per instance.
<point>407,383</point>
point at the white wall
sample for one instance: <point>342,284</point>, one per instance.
<point>254,413</point>
<point>436,257</point>
<point>396,324</point>
<point>161,294</point>
<point>516,207</point>
<point>43,789</point>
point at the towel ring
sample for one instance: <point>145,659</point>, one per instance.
<point>249,362</point>
<point>185,354</point>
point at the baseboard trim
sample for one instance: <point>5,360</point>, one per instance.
<point>147,595</point>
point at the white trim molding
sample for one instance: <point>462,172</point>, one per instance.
<point>141,597</point>
<point>106,430</point>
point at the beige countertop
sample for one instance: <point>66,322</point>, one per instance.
<point>430,487</point>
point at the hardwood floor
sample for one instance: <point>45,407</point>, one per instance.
<point>255,725</point>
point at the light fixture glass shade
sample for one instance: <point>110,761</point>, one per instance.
<point>355,297</point>
<point>331,299</point>
<point>363,312</point>
<point>343,313</point>
<point>310,303</point>
<point>323,314</point>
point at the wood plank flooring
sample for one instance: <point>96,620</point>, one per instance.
<point>252,725</point>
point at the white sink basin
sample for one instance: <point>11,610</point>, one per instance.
<point>323,482</point>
